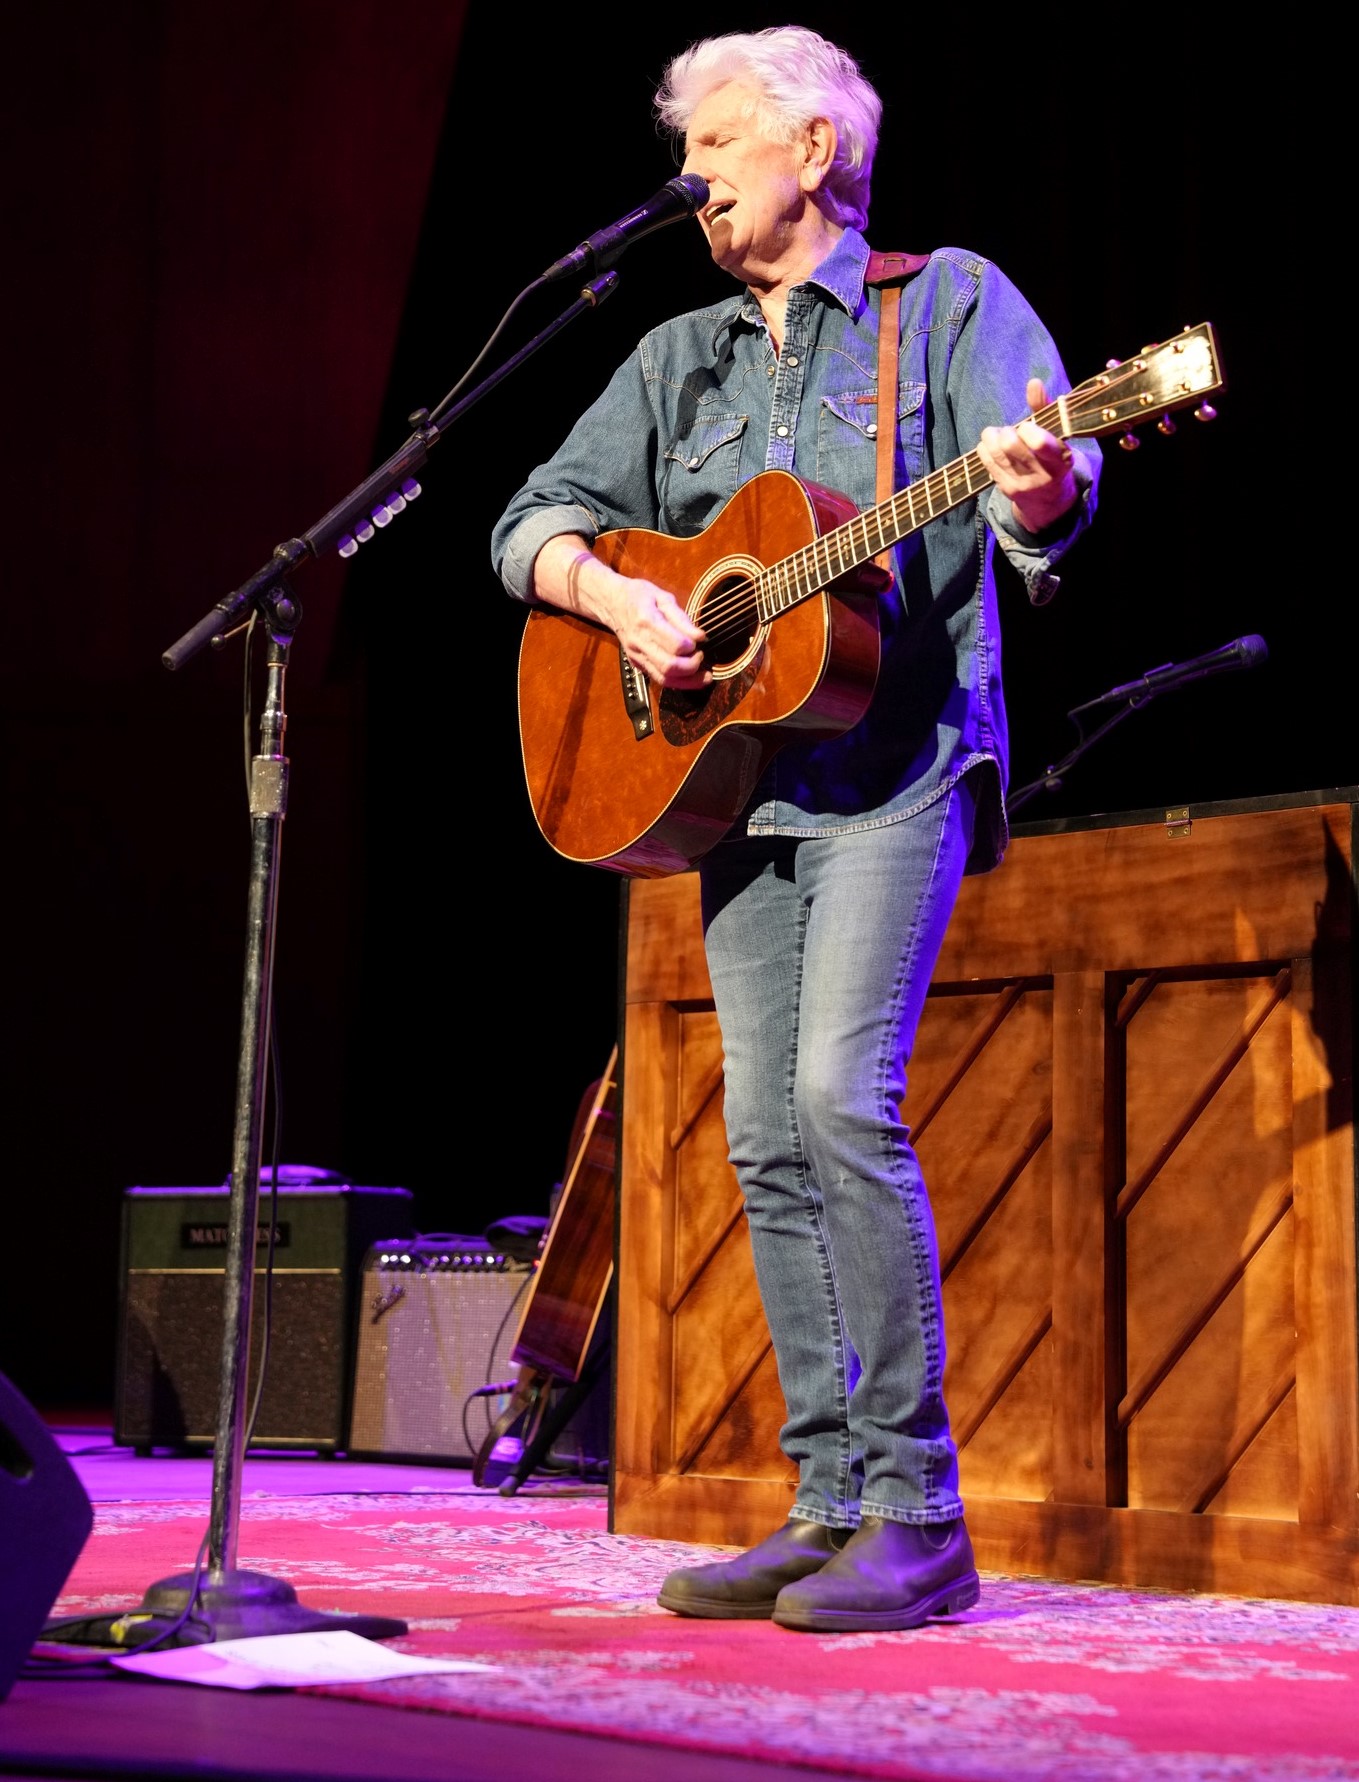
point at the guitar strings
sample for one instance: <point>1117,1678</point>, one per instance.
<point>808,569</point>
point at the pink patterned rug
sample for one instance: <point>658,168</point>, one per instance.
<point>1074,1683</point>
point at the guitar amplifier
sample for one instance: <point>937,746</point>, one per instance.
<point>437,1321</point>
<point>171,1324</point>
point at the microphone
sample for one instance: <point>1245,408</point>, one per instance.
<point>678,197</point>
<point>1242,652</point>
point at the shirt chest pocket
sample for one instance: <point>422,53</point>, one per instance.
<point>700,470</point>
<point>847,439</point>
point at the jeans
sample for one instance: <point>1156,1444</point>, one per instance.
<point>820,950</point>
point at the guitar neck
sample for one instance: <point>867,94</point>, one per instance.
<point>877,529</point>
<point>1164,376</point>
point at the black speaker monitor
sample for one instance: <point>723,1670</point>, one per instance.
<point>45,1520</point>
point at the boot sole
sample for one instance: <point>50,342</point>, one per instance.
<point>961,1594</point>
<point>714,1609</point>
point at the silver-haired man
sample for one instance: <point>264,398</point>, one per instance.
<point>826,900</point>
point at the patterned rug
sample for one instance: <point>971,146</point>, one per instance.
<point>1041,1682</point>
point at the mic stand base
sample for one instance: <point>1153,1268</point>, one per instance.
<point>228,1605</point>
<point>241,1605</point>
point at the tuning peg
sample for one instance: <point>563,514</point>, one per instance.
<point>1129,442</point>
<point>1165,425</point>
<point>1205,412</point>
<point>1112,364</point>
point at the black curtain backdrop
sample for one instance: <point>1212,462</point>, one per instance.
<point>253,240</point>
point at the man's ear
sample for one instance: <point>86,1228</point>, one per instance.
<point>820,145</point>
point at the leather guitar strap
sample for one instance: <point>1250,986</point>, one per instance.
<point>890,271</point>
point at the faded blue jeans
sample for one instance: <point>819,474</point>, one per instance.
<point>820,951</point>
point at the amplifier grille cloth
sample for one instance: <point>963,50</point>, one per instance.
<point>439,1335</point>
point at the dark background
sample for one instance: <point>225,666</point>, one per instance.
<point>245,243</point>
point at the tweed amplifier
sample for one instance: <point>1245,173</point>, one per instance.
<point>437,1321</point>
<point>171,1317</point>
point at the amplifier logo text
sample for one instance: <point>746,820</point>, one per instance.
<point>214,1237</point>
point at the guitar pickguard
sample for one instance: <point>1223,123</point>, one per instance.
<point>687,715</point>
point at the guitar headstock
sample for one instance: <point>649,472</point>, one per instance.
<point>1172,374</point>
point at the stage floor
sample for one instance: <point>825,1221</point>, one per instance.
<point>123,1726</point>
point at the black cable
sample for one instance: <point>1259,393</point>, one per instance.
<point>276,1077</point>
<point>276,1082</point>
<point>83,1630</point>
<point>490,1363</point>
<point>467,375</point>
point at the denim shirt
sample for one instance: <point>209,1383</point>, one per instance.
<point>704,403</point>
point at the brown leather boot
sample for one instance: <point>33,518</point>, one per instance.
<point>745,1588</point>
<point>887,1575</point>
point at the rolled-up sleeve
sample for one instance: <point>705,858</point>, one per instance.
<point>601,477</point>
<point>1001,337</point>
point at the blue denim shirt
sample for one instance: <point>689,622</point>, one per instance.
<point>704,403</point>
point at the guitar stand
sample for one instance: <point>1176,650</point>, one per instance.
<point>554,1420</point>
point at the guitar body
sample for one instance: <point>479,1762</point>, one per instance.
<point>567,1293</point>
<point>643,780</point>
<point>626,776</point>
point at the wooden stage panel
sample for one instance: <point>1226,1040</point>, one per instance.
<point>1132,1100</point>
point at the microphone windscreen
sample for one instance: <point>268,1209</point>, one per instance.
<point>690,188</point>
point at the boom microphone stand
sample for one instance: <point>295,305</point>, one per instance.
<point>218,1600</point>
<point>1132,696</point>
<point>232,1603</point>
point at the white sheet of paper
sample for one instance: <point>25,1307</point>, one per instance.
<point>287,1661</point>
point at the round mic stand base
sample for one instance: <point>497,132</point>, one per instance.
<point>241,1605</point>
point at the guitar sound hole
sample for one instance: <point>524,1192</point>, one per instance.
<point>730,617</point>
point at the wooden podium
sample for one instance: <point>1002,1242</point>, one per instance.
<point>1132,1100</point>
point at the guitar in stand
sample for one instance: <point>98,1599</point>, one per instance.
<point>561,1345</point>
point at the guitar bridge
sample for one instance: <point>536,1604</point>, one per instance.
<point>636,697</point>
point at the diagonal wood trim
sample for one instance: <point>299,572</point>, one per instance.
<point>1133,1191</point>
<point>966,1427</point>
<point>1033,1140</point>
<point>1253,1241</point>
<point>970,1051</point>
<point>1137,993</point>
<point>709,1083</point>
<point>1281,1389</point>
<point>682,1289</point>
<point>686,1457</point>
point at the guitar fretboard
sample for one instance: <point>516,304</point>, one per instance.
<point>837,552</point>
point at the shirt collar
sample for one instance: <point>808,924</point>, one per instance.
<point>840,275</point>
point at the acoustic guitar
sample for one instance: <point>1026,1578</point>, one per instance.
<point>566,1293</point>
<point>642,780</point>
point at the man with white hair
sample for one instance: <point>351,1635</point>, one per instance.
<point>826,900</point>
